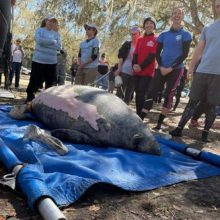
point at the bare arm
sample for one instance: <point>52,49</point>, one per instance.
<point>196,56</point>
<point>13,2</point>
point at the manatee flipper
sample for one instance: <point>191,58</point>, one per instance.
<point>35,133</point>
<point>73,136</point>
<point>22,112</point>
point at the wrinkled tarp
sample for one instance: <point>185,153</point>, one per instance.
<point>66,178</point>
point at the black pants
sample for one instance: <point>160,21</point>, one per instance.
<point>40,73</point>
<point>126,90</point>
<point>5,17</point>
<point>172,80</point>
<point>179,90</point>
<point>202,108</point>
<point>141,87</point>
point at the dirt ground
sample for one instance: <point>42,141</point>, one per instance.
<point>198,199</point>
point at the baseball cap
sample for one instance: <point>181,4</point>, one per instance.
<point>90,25</point>
<point>50,17</point>
<point>152,19</point>
<point>135,29</point>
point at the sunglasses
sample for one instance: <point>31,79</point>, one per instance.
<point>89,28</point>
<point>18,41</point>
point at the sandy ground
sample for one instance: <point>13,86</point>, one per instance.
<point>198,199</point>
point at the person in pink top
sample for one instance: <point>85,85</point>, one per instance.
<point>125,69</point>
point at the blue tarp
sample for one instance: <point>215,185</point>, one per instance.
<point>66,178</point>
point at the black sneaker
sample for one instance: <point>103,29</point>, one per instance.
<point>177,132</point>
<point>204,137</point>
<point>157,128</point>
<point>28,99</point>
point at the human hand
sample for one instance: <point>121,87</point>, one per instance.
<point>13,2</point>
<point>137,68</point>
<point>117,72</point>
<point>81,65</point>
<point>165,70</point>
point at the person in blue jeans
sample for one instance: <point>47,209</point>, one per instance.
<point>17,57</point>
<point>102,77</point>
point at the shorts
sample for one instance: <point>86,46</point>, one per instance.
<point>206,86</point>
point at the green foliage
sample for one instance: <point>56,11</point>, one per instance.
<point>113,18</point>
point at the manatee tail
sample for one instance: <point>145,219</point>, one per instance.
<point>21,112</point>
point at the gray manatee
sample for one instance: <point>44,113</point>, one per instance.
<point>88,115</point>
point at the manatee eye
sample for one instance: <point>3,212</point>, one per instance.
<point>137,138</point>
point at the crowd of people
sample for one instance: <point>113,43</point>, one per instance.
<point>150,66</point>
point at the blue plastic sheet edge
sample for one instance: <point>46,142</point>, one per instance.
<point>32,177</point>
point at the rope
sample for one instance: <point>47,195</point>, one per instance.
<point>96,81</point>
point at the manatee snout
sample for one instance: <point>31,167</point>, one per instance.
<point>146,145</point>
<point>152,147</point>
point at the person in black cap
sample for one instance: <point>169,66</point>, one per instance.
<point>172,50</point>
<point>144,62</point>
<point>88,57</point>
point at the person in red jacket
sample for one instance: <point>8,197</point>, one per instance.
<point>144,62</point>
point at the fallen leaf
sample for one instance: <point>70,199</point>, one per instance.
<point>177,208</point>
<point>199,211</point>
<point>94,208</point>
<point>156,194</point>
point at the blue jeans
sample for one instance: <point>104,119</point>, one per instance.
<point>16,69</point>
<point>61,75</point>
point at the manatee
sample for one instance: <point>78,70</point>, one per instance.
<point>88,115</point>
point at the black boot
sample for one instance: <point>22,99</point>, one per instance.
<point>177,132</point>
<point>158,127</point>
<point>159,122</point>
<point>204,137</point>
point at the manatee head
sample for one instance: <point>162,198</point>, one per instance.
<point>146,144</point>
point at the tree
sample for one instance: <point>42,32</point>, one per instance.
<point>113,18</point>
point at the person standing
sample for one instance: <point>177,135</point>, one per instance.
<point>207,77</point>
<point>180,88</point>
<point>43,68</point>
<point>5,20</point>
<point>61,61</point>
<point>172,49</point>
<point>5,37</point>
<point>101,77</point>
<point>125,68</point>
<point>144,62</point>
<point>88,57</point>
<point>73,69</point>
<point>17,53</point>
<point>61,67</point>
